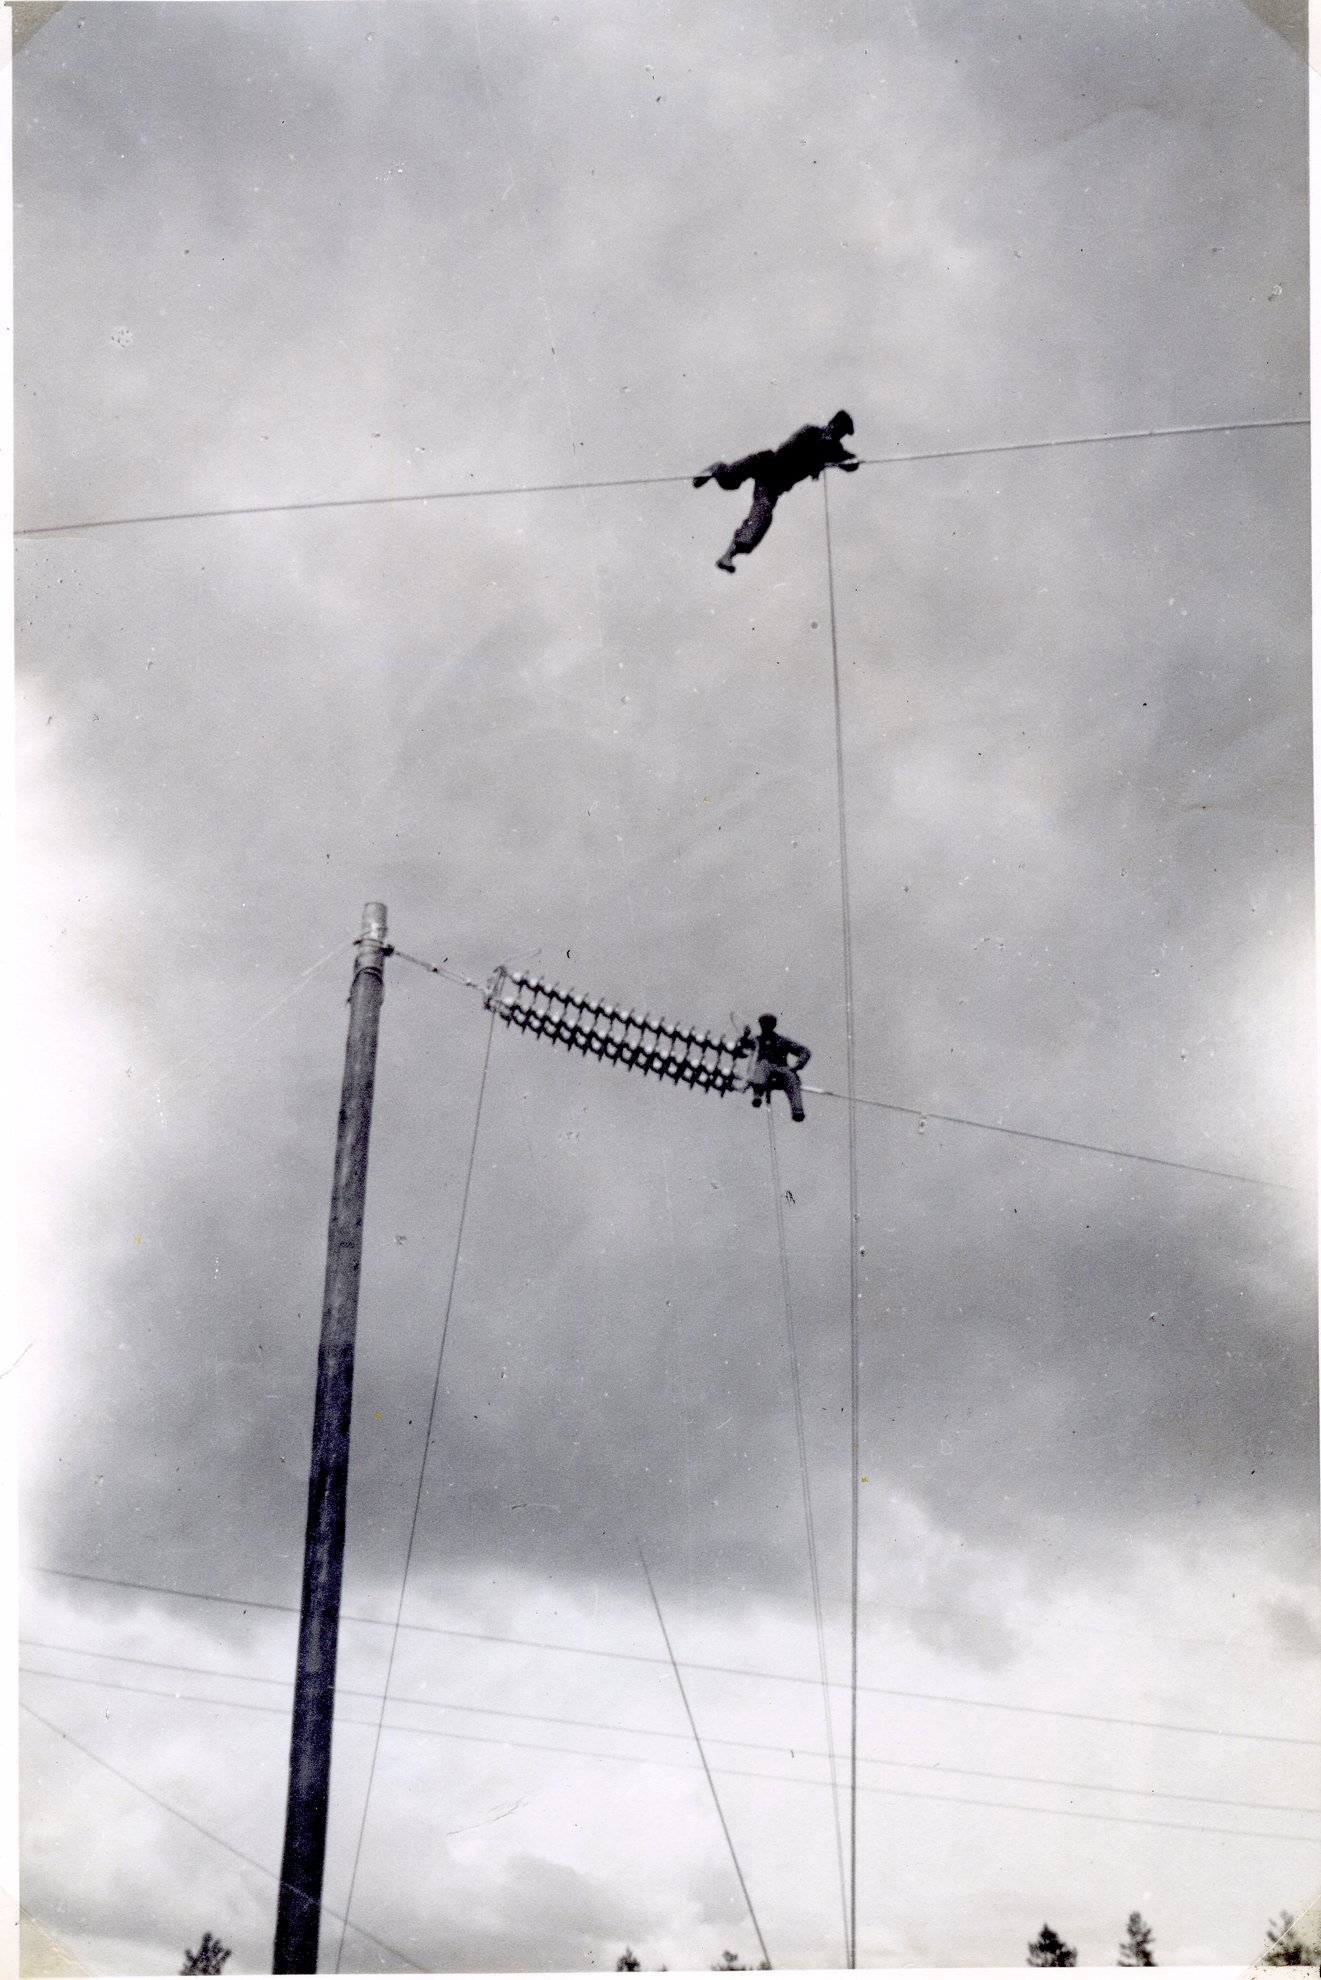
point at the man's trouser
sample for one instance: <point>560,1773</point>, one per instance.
<point>755,524</point>
<point>766,1080</point>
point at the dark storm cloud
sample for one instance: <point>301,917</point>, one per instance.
<point>1125,1351</point>
<point>592,1254</point>
<point>568,1253</point>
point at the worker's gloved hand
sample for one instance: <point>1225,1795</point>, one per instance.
<point>700,480</point>
<point>850,467</point>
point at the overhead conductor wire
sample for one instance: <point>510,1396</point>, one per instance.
<point>232,1033</point>
<point>642,480</point>
<point>1056,1140</point>
<point>252,1862</point>
<point>847,928</point>
<point>722,1670</point>
<point>812,1560</point>
<point>891,1106</point>
<point>448,1705</point>
<point>701,1754</point>
<point>149,1088</point>
<point>436,969</point>
<point>421,1479</point>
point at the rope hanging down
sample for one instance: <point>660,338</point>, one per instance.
<point>601,1031</point>
<point>813,1559</point>
<point>846,921</point>
<point>701,1754</point>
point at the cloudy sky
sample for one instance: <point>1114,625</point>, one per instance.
<point>304,254</point>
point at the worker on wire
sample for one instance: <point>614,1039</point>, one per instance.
<point>773,473</point>
<point>776,1064</point>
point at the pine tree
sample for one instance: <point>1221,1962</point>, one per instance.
<point>1049,1949</point>
<point>1287,1946</point>
<point>210,1957</point>
<point>628,1962</point>
<point>1136,1949</point>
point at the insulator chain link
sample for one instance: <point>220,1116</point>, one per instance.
<point>627,1038</point>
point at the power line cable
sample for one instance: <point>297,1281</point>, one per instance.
<point>244,1602</point>
<point>349,502</point>
<point>787,1780</point>
<point>846,919</point>
<point>597,1725</point>
<point>231,1034</point>
<point>1081,440</point>
<point>637,481</point>
<point>210,1834</point>
<point>812,1556</point>
<point>718,1670</point>
<point>960,1120</point>
<point>701,1754</point>
<point>228,1035</point>
<point>436,969</point>
<point>422,1472</point>
<point>1054,1140</point>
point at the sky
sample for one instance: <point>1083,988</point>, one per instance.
<point>270,256</point>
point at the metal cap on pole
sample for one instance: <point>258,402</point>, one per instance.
<point>298,1919</point>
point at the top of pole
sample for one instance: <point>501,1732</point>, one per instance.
<point>372,945</point>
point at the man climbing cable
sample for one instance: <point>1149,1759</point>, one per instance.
<point>777,1062</point>
<point>775,471</point>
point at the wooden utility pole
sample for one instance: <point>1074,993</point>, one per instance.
<point>298,1921</point>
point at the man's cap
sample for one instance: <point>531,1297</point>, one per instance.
<point>841,422</point>
<point>767,1020</point>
